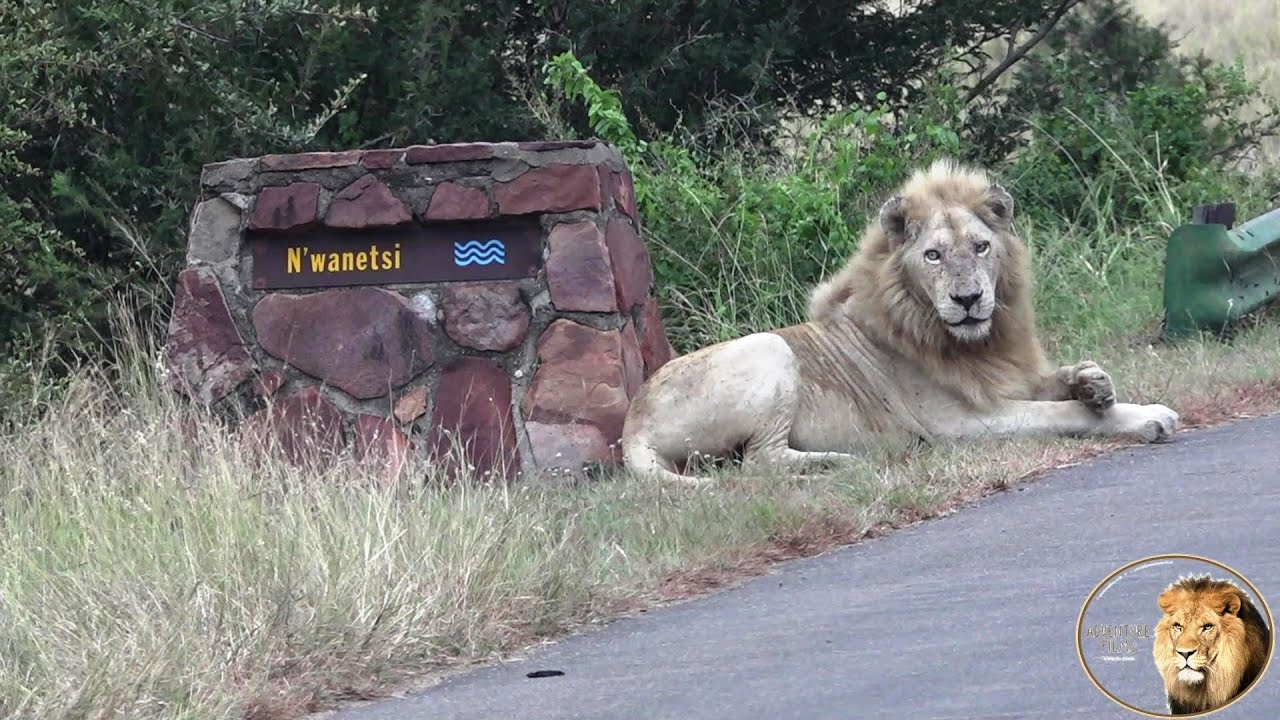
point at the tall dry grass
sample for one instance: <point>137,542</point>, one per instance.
<point>153,568</point>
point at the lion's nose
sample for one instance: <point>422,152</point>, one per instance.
<point>967,301</point>
<point>1186,654</point>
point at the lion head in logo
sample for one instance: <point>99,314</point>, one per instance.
<point>1210,645</point>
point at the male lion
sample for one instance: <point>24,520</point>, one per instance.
<point>927,332</point>
<point>1211,644</point>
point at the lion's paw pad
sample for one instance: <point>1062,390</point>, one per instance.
<point>1093,387</point>
<point>1160,423</point>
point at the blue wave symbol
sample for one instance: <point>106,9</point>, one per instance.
<point>474,252</point>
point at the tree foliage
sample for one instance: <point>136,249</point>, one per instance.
<point>683,62</point>
<point>108,108</point>
<point>1107,97</point>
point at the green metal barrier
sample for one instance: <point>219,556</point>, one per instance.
<point>1214,276</point>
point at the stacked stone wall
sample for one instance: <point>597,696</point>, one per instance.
<point>493,297</point>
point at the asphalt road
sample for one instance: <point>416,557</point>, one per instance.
<point>970,616</point>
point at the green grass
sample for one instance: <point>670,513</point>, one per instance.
<point>155,570</point>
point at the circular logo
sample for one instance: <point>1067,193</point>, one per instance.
<point>1175,636</point>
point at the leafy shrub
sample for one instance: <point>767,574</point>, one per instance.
<point>1105,121</point>
<point>108,110</point>
<point>739,237</point>
<point>688,65</point>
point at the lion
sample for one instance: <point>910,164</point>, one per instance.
<point>926,333</point>
<point>1210,645</point>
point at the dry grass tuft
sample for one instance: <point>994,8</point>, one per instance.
<point>154,569</point>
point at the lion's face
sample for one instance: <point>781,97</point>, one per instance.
<point>1202,644</point>
<point>1194,633</point>
<point>951,254</point>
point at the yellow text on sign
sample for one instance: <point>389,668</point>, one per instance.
<point>345,261</point>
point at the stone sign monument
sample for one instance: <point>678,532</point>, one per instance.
<point>493,298</point>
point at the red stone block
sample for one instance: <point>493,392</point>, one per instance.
<point>625,194</point>
<point>580,378</point>
<point>268,383</point>
<point>568,446</point>
<point>205,354</point>
<point>550,189</point>
<point>485,316</point>
<point>309,161</point>
<point>473,417</point>
<point>365,341</point>
<point>579,274</point>
<point>381,159</point>
<point>303,428</point>
<point>377,439</point>
<point>291,207</point>
<point>452,201</point>
<point>455,152</point>
<point>412,405</point>
<point>367,203</point>
<point>632,359</point>
<point>654,346</point>
<point>630,261</point>
<point>619,186</point>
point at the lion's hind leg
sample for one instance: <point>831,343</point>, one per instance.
<point>645,460</point>
<point>771,447</point>
<point>738,395</point>
<point>790,459</point>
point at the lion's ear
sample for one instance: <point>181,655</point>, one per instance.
<point>1168,601</point>
<point>893,218</point>
<point>1230,603</point>
<point>1000,202</point>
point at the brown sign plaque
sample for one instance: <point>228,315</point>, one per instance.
<point>501,250</point>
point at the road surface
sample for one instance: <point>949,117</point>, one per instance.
<point>970,616</point>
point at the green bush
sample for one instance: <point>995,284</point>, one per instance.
<point>108,110</point>
<point>1105,122</point>
<point>722,69</point>
<point>44,285</point>
<point>738,238</point>
<point>119,104</point>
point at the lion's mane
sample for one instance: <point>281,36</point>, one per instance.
<point>1238,653</point>
<point>874,288</point>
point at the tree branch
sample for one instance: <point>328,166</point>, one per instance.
<point>1253,138</point>
<point>1015,55</point>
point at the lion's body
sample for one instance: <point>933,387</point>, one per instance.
<point>896,346</point>
<point>1210,645</point>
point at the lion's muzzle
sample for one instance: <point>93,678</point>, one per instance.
<point>1187,672</point>
<point>1190,676</point>
<point>966,309</point>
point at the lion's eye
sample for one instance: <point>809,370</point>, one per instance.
<point>982,248</point>
<point>1207,627</point>
<point>932,256</point>
<point>1177,627</point>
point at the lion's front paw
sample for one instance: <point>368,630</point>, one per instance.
<point>1150,423</point>
<point>1092,386</point>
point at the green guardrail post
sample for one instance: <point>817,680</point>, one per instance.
<point>1215,275</point>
